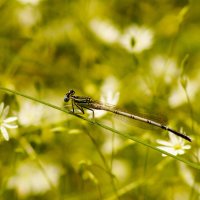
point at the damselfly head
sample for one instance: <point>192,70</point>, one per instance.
<point>68,95</point>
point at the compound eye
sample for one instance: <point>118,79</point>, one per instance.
<point>66,98</point>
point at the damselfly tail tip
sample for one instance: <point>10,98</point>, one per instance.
<point>189,139</point>
<point>185,137</point>
<point>180,134</point>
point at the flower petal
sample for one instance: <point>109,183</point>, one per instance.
<point>4,133</point>
<point>187,146</point>
<point>180,151</point>
<point>165,143</point>
<point>10,119</point>
<point>168,150</point>
<point>5,112</point>
<point>11,126</point>
<point>1,108</point>
<point>173,138</point>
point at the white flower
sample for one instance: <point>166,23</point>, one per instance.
<point>121,169</point>
<point>29,179</point>
<point>164,67</point>
<point>28,16</point>
<point>109,90</point>
<point>136,39</point>
<point>31,2</point>
<point>105,30</point>
<point>108,98</point>
<point>178,96</point>
<point>6,122</point>
<point>110,95</point>
<point>175,146</point>
<point>31,114</point>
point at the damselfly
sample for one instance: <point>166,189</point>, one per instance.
<point>87,103</point>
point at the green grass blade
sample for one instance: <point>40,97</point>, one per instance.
<point>126,135</point>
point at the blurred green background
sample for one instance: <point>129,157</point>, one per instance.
<point>141,55</point>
